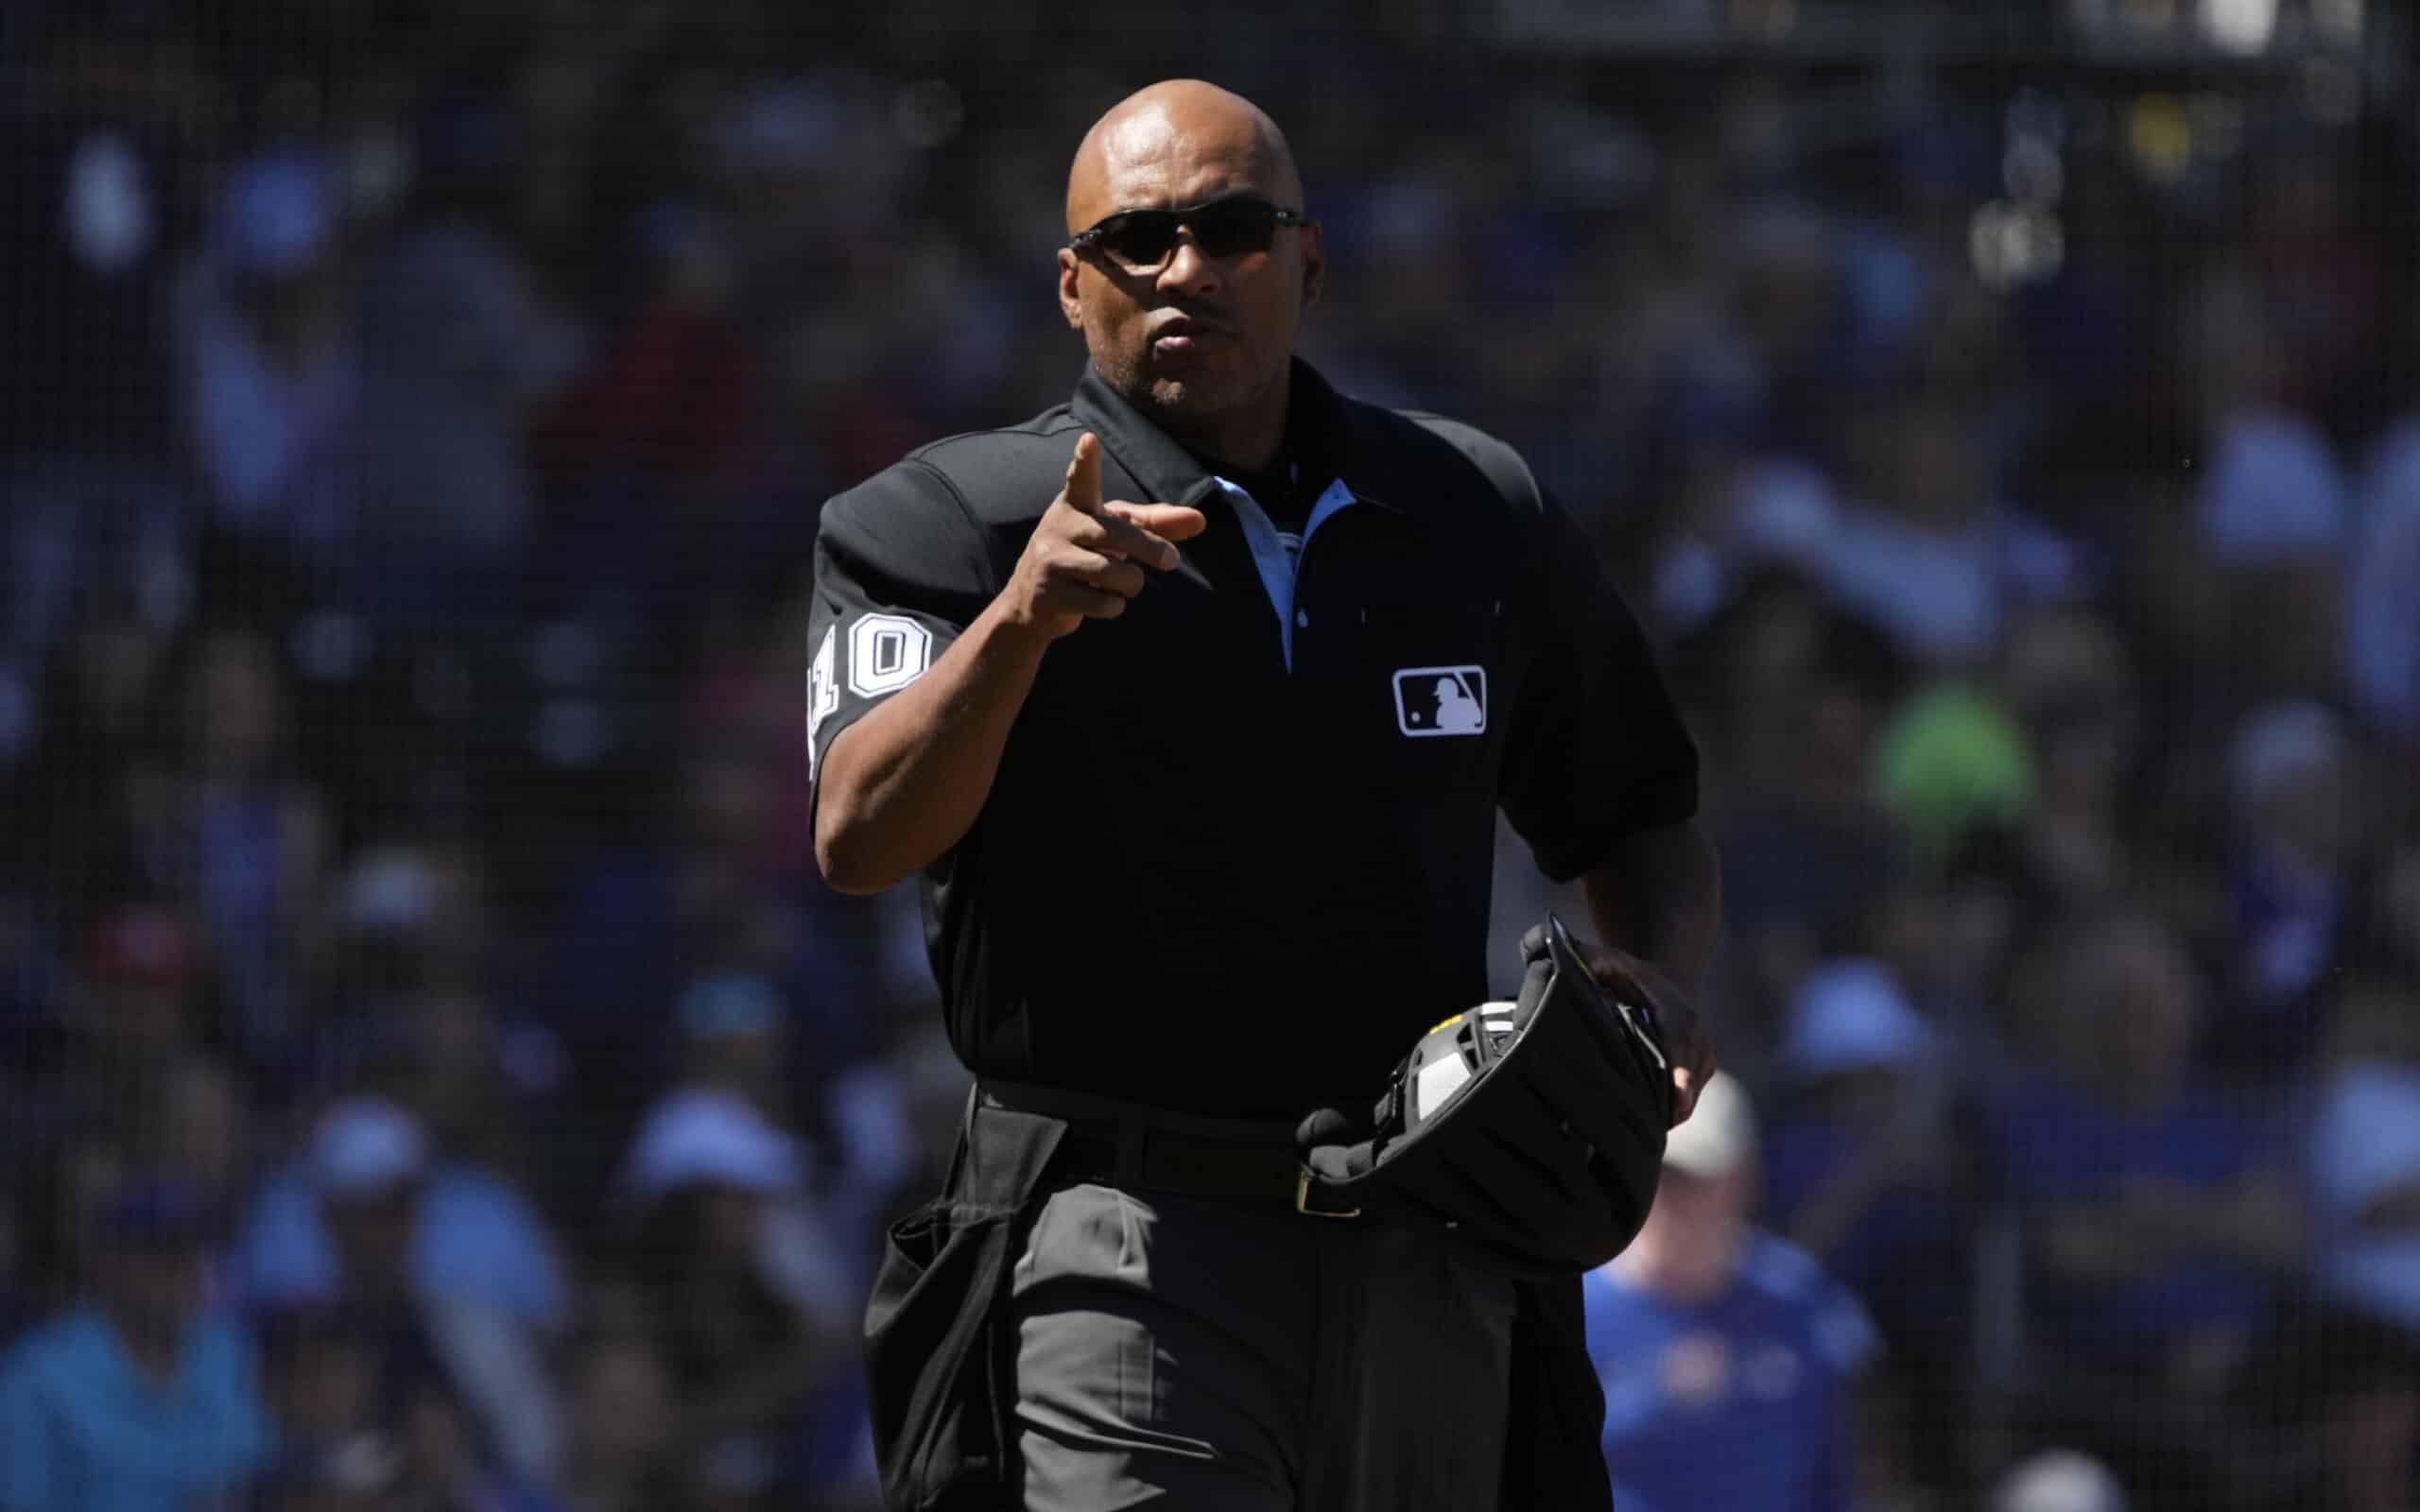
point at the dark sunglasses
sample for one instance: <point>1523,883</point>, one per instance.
<point>1144,240</point>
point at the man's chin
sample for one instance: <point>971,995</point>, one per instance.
<point>1198,397</point>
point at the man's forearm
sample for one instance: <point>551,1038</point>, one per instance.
<point>1658,895</point>
<point>903,784</point>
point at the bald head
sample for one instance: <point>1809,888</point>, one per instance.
<point>1178,141</point>
<point>1204,341</point>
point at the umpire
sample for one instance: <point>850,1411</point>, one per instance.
<point>1197,871</point>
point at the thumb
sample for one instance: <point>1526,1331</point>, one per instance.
<point>1325,1126</point>
<point>1169,522</point>
<point>1083,492</point>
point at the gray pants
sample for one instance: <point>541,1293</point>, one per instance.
<point>1192,1353</point>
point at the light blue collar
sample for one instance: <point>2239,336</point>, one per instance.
<point>1279,561</point>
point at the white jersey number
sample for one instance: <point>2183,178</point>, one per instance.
<point>886,653</point>
<point>823,683</point>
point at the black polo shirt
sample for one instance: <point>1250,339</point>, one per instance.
<point>1239,853</point>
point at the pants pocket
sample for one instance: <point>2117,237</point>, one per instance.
<point>1083,1296</point>
<point>935,1377</point>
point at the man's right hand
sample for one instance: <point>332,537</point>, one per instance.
<point>1087,558</point>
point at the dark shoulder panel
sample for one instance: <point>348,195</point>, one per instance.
<point>1008,478</point>
<point>1507,471</point>
<point>905,527</point>
<point>984,490</point>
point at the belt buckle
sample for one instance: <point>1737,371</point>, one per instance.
<point>1303,1196</point>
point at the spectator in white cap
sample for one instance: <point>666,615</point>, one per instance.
<point>735,1028</point>
<point>367,1204</point>
<point>1728,1357</point>
<point>1852,1018</point>
<point>368,1158</point>
<point>748,1305</point>
<point>713,1138</point>
<point>710,1148</point>
<point>371,1217</point>
<point>2059,1480</point>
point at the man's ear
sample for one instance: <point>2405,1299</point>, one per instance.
<point>1314,266</point>
<point>1071,304</point>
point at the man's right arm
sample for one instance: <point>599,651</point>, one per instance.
<point>902,785</point>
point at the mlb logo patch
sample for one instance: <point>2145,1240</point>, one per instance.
<point>1440,701</point>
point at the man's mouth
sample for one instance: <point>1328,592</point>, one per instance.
<point>1181,335</point>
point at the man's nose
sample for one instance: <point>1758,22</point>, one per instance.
<point>1190,271</point>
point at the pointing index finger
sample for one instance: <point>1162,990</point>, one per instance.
<point>1083,492</point>
<point>1121,535</point>
<point>1168,521</point>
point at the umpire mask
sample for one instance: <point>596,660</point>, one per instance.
<point>1535,1127</point>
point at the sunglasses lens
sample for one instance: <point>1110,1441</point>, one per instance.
<point>1142,239</point>
<point>1234,229</point>
<point>1145,238</point>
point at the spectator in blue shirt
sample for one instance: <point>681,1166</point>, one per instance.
<point>454,1268</point>
<point>370,1181</point>
<point>137,1400</point>
<point>2160,1216</point>
<point>1727,1356</point>
<point>2163,1230</point>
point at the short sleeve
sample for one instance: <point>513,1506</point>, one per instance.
<point>1595,749</point>
<point>900,572</point>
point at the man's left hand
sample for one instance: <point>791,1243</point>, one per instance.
<point>1685,1039</point>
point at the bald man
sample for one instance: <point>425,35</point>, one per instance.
<point>1198,872</point>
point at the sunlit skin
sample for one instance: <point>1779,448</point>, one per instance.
<point>1203,346</point>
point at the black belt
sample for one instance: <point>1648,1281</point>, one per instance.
<point>1138,1148</point>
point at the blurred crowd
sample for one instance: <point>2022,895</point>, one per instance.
<point>432,1074</point>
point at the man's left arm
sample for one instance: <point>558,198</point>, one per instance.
<point>1601,776</point>
<point>1656,902</point>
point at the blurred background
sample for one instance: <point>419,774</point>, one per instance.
<point>430,1063</point>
